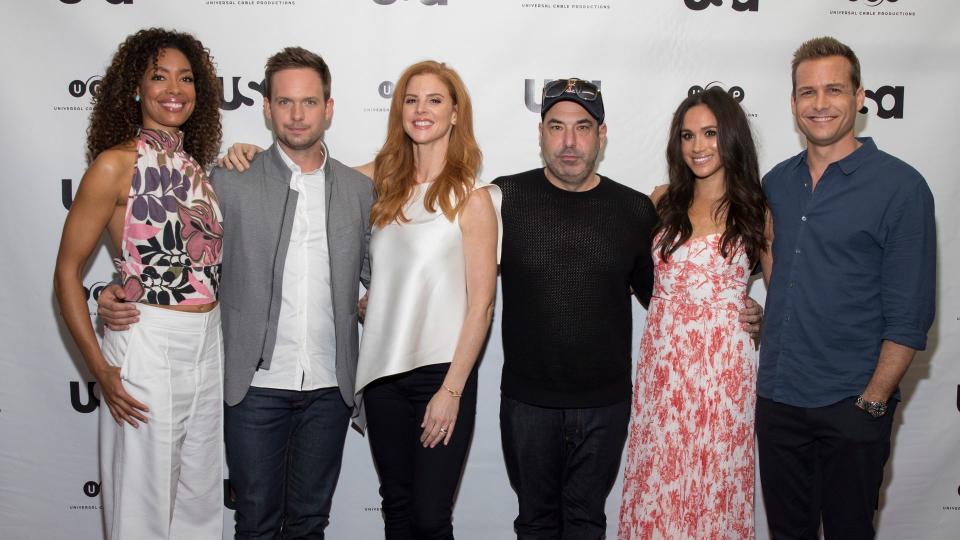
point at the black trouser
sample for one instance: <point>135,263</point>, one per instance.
<point>821,463</point>
<point>417,484</point>
<point>562,463</point>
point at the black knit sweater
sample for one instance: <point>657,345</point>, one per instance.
<point>568,262</point>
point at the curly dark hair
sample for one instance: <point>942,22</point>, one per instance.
<point>116,116</point>
<point>743,205</point>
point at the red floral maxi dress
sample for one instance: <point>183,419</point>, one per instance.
<point>689,470</point>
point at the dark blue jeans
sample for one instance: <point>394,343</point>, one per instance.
<point>418,484</point>
<point>821,463</point>
<point>562,463</point>
<point>284,450</point>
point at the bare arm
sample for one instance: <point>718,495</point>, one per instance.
<point>98,199</point>
<point>479,226</point>
<point>893,363</point>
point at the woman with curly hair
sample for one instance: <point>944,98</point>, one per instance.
<point>154,127</point>
<point>690,457</point>
<point>433,265</point>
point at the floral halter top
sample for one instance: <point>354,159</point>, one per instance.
<point>172,232</point>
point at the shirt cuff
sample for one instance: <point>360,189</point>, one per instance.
<point>908,337</point>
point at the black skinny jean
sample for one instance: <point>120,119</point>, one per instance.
<point>417,484</point>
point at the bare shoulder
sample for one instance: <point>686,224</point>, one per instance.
<point>658,192</point>
<point>366,170</point>
<point>478,206</point>
<point>122,156</point>
<point>481,195</point>
<point>112,165</point>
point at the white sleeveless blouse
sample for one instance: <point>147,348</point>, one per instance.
<point>417,299</point>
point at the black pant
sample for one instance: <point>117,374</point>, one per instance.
<point>417,484</point>
<point>821,463</point>
<point>562,463</point>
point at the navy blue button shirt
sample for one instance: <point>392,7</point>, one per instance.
<point>854,263</point>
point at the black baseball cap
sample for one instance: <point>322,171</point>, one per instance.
<point>583,93</point>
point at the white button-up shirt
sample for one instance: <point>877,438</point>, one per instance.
<point>304,357</point>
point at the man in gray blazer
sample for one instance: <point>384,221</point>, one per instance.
<point>296,229</point>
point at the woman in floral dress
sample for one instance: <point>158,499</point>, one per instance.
<point>154,125</point>
<point>690,459</point>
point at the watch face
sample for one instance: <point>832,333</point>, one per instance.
<point>875,408</point>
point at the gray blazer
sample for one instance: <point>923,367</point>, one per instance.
<point>258,209</point>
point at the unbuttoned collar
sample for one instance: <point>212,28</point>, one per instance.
<point>296,168</point>
<point>852,161</point>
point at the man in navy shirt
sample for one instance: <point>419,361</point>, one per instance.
<point>850,301</point>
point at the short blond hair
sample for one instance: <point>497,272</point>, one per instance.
<point>824,47</point>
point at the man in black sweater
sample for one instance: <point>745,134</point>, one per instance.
<point>575,244</point>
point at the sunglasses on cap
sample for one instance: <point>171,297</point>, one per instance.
<point>585,90</point>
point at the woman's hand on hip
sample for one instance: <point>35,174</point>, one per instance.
<point>122,406</point>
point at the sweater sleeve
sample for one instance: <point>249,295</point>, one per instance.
<point>641,277</point>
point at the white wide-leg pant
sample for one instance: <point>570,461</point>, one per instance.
<point>164,480</point>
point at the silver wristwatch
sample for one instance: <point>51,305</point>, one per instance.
<point>875,408</point>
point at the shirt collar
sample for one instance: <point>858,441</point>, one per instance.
<point>856,158</point>
<point>296,168</point>
<point>849,164</point>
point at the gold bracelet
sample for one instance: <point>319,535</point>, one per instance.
<point>453,392</point>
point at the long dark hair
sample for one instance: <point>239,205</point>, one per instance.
<point>743,203</point>
<point>116,116</point>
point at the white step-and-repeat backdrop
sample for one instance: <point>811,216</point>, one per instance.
<point>647,56</point>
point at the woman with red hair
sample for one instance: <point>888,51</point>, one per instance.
<point>433,252</point>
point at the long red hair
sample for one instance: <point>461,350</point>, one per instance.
<point>394,174</point>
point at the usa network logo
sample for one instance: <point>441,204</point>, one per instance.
<point>887,100</point>
<point>737,5</point>
<point>532,93</point>
<point>237,96</point>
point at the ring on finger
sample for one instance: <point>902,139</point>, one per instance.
<point>443,430</point>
